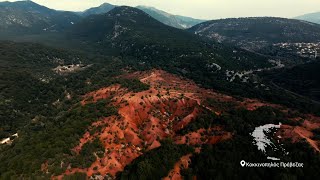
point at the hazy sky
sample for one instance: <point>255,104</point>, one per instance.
<point>206,9</point>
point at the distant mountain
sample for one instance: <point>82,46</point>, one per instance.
<point>257,32</point>
<point>123,31</point>
<point>27,17</point>
<point>176,21</point>
<point>131,29</point>
<point>181,22</point>
<point>103,8</point>
<point>133,32</point>
<point>123,21</point>
<point>133,98</point>
<point>312,17</point>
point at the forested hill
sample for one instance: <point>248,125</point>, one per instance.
<point>132,32</point>
<point>27,17</point>
<point>28,82</point>
<point>124,96</point>
<point>102,9</point>
<point>124,31</point>
<point>311,17</point>
<point>255,32</point>
<point>303,79</point>
<point>176,21</point>
<point>55,120</point>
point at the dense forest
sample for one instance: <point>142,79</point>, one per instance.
<point>257,32</point>
<point>43,107</point>
<point>41,88</point>
<point>221,161</point>
<point>49,124</point>
<point>303,79</point>
<point>156,163</point>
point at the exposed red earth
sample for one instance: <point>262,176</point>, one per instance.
<point>148,116</point>
<point>297,133</point>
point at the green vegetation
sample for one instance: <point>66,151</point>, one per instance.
<point>243,122</point>
<point>44,107</point>
<point>132,84</point>
<point>316,134</point>
<point>303,79</point>
<point>222,161</point>
<point>88,154</point>
<point>205,120</point>
<point>52,139</point>
<point>238,120</point>
<point>296,87</point>
<point>25,70</point>
<point>156,163</point>
<point>29,87</point>
<point>76,176</point>
<point>257,32</point>
<point>49,124</point>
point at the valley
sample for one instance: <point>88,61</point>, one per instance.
<point>120,92</point>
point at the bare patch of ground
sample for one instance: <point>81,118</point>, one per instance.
<point>149,116</point>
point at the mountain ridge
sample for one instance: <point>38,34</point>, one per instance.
<point>125,96</point>
<point>29,17</point>
<point>311,17</point>
<point>177,21</point>
<point>136,33</point>
<point>181,22</point>
<point>253,32</point>
<point>103,8</point>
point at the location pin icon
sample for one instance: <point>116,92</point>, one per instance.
<point>242,163</point>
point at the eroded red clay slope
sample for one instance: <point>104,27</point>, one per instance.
<point>146,117</point>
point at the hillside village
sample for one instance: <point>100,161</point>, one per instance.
<point>305,50</point>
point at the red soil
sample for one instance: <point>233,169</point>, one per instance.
<point>297,133</point>
<point>148,116</point>
<point>253,104</point>
<point>304,131</point>
<point>44,167</point>
<point>311,122</point>
<point>204,136</point>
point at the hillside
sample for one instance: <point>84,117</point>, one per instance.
<point>144,43</point>
<point>257,32</point>
<point>27,17</point>
<point>176,21</point>
<point>312,17</point>
<point>303,79</point>
<point>121,95</point>
<point>134,33</point>
<point>103,8</point>
<point>151,118</point>
<point>128,31</point>
<point>29,85</point>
